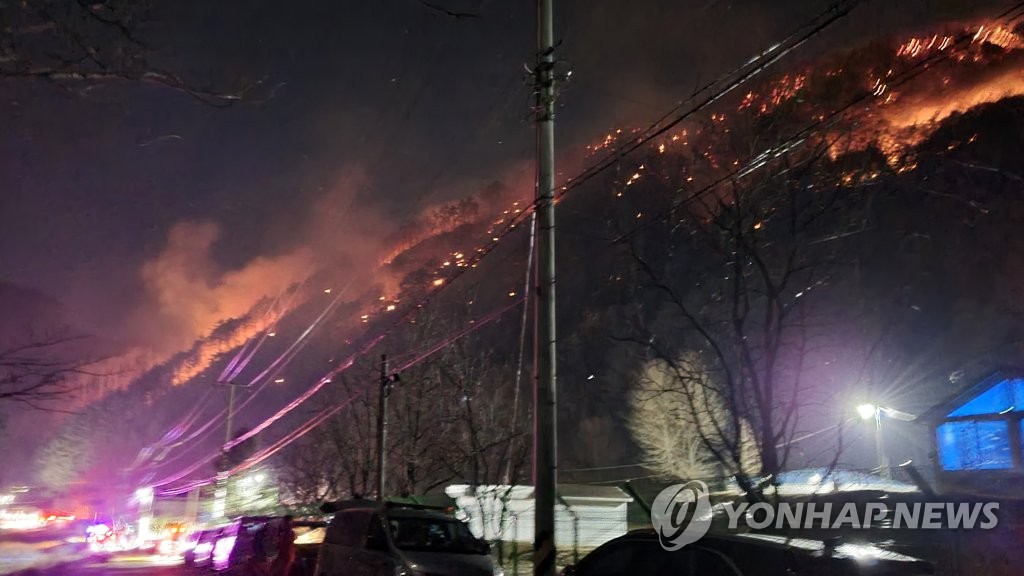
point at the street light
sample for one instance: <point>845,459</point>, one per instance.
<point>869,411</point>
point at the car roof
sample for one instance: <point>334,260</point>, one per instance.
<point>400,512</point>
<point>312,523</point>
<point>413,513</point>
<point>805,545</point>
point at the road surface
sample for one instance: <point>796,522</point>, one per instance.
<point>119,565</point>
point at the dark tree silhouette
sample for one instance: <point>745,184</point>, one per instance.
<point>77,44</point>
<point>42,369</point>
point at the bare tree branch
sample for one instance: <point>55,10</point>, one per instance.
<point>89,43</point>
<point>43,369</point>
<point>447,12</point>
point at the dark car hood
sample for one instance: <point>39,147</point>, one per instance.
<point>447,564</point>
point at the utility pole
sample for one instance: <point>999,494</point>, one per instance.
<point>545,446</point>
<point>231,410</point>
<point>220,495</point>
<point>876,412</point>
<point>382,425</point>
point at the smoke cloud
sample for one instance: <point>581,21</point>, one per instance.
<point>190,295</point>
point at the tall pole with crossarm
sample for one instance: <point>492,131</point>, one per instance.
<point>545,452</point>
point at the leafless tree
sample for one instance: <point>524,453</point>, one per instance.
<point>420,433</point>
<point>312,473</point>
<point>78,43</point>
<point>37,370</point>
<point>674,406</point>
<point>741,291</point>
<point>448,422</point>
<point>337,459</point>
<point>451,13</point>
<point>480,391</point>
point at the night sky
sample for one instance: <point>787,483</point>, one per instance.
<point>420,103</point>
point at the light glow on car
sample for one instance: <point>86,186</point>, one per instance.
<point>222,552</point>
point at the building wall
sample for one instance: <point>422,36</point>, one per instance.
<point>586,524</point>
<point>596,524</point>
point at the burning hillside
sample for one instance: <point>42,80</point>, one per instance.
<point>939,74</point>
<point>888,97</point>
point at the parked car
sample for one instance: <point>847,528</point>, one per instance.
<point>239,541</point>
<point>399,539</point>
<point>743,555</point>
<point>200,555</point>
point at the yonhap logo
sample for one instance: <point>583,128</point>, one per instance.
<point>681,514</point>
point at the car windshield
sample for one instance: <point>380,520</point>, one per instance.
<point>433,535</point>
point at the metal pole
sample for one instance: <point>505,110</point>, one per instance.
<point>220,495</point>
<point>514,427</point>
<point>883,461</point>
<point>231,410</point>
<point>544,433</point>
<point>382,426</point>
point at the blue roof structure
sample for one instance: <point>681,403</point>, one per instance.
<point>981,428</point>
<point>1004,397</point>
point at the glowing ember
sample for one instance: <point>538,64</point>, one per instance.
<point>209,349</point>
<point>978,64</point>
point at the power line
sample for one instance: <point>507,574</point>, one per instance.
<point>629,479</point>
<point>738,76</point>
<point>473,326</point>
<point>617,467</point>
<point>418,357</point>
<point>801,136</point>
<point>172,438</point>
<point>410,106</point>
<point>267,375</point>
<point>319,418</point>
<point>752,68</point>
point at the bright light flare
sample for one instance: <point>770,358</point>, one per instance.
<point>867,411</point>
